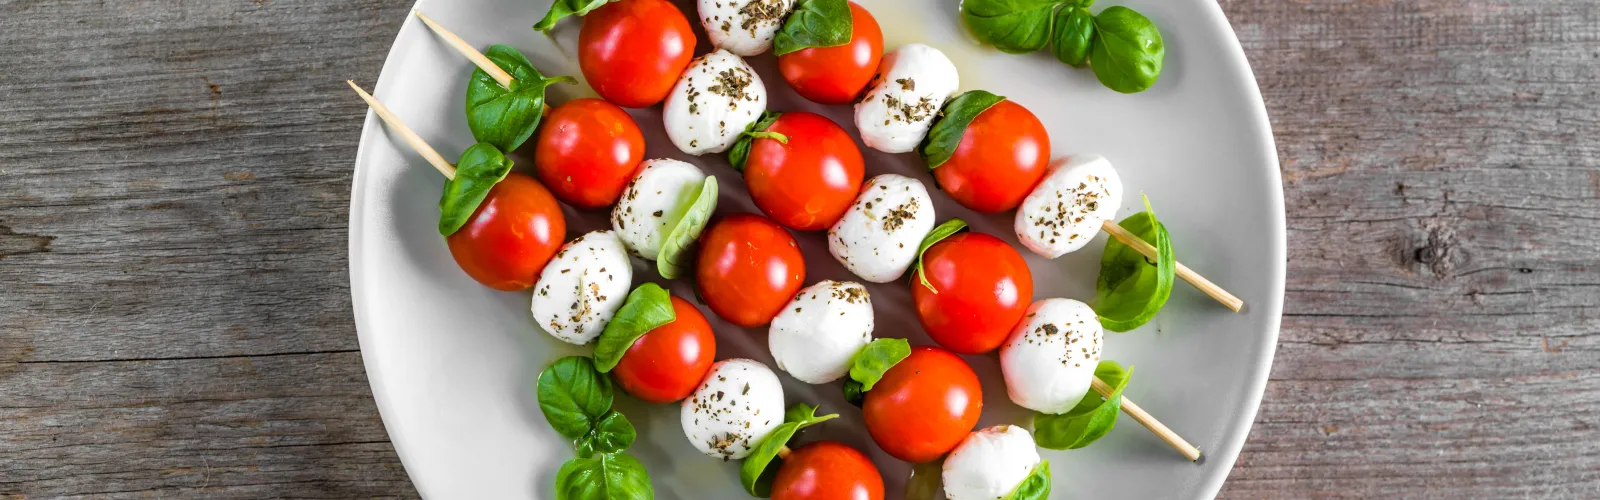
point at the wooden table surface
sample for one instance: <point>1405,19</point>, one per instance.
<point>174,306</point>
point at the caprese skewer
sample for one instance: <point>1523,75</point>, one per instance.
<point>802,170</point>
<point>505,96</point>
<point>630,51</point>
<point>904,98</point>
<point>716,99</point>
<point>832,65</point>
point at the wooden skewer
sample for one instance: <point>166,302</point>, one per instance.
<point>406,133</point>
<point>467,50</point>
<point>1161,430</point>
<point>1205,285</point>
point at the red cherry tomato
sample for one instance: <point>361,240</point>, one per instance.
<point>668,363</point>
<point>984,287</point>
<point>807,183</point>
<point>827,470</point>
<point>512,235</point>
<point>587,152</point>
<point>1002,156</point>
<point>924,406</point>
<point>836,75</point>
<point>749,267</point>
<point>632,51</point>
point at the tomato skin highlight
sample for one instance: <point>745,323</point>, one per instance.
<point>511,236</point>
<point>827,470</point>
<point>984,287</point>
<point>924,406</point>
<point>587,151</point>
<point>836,75</point>
<point>1003,154</point>
<point>809,182</point>
<point>748,269</point>
<point>632,51</point>
<point>668,363</point>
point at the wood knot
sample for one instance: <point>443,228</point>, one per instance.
<point>1430,254</point>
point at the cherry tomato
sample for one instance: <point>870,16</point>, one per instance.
<point>924,406</point>
<point>836,75</point>
<point>668,363</point>
<point>984,287</point>
<point>749,267</point>
<point>632,51</point>
<point>587,152</point>
<point>827,470</point>
<point>807,183</point>
<point>512,235</point>
<point>1003,154</point>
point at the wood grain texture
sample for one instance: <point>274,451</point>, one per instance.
<point>175,317</point>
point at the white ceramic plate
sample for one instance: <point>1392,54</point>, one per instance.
<point>452,364</point>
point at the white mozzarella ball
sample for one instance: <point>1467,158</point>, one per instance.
<point>821,330</point>
<point>1066,210</point>
<point>738,404</point>
<point>904,98</point>
<point>878,236</point>
<point>989,463</point>
<point>1049,359</point>
<point>582,287</point>
<point>717,97</point>
<point>743,27</point>
<point>654,201</point>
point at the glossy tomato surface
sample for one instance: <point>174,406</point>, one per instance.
<point>836,75</point>
<point>512,235</point>
<point>632,51</point>
<point>668,363</point>
<point>827,470</point>
<point>587,152</point>
<point>924,406</point>
<point>748,269</point>
<point>1002,156</point>
<point>983,289</point>
<point>809,181</point>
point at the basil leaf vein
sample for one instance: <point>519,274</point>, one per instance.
<point>1130,289</point>
<point>672,260</point>
<point>506,117</point>
<point>647,307</point>
<point>1015,26</point>
<point>815,23</point>
<point>1073,36</point>
<point>479,169</point>
<point>1090,419</point>
<point>612,434</point>
<point>945,136</point>
<point>1128,52</point>
<point>874,360</point>
<point>609,476</point>
<point>573,396</point>
<point>1036,486</point>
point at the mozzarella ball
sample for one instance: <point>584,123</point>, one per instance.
<point>904,98</point>
<point>821,330</point>
<point>878,236</point>
<point>1066,210</point>
<point>713,102</point>
<point>989,463</point>
<point>1049,360</point>
<point>653,202</point>
<point>737,405</point>
<point>582,287</point>
<point>743,27</point>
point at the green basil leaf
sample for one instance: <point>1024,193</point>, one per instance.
<point>872,361</point>
<point>739,154</point>
<point>573,396</point>
<point>941,142</point>
<point>1015,26</point>
<point>1131,290</point>
<point>673,260</point>
<point>938,234</point>
<point>854,393</point>
<point>814,23</point>
<point>647,307</point>
<point>1091,419</point>
<point>1073,35</point>
<point>761,467</point>
<point>612,434</point>
<point>479,169</point>
<point>563,8</point>
<point>609,476</point>
<point>1128,53</point>
<point>1036,486</point>
<point>506,117</point>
